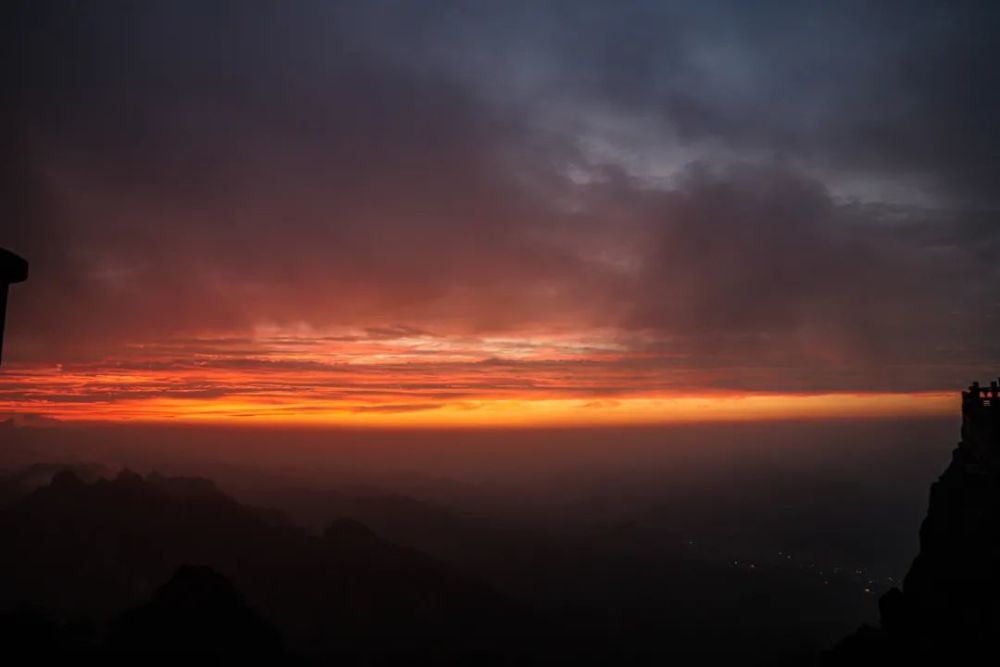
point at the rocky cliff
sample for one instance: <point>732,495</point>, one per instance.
<point>949,604</point>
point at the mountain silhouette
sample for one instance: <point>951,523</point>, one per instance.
<point>197,611</point>
<point>111,565</point>
<point>949,605</point>
<point>90,550</point>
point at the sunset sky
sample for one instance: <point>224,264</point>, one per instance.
<point>498,213</point>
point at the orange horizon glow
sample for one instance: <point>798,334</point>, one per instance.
<point>405,378</point>
<point>644,411</point>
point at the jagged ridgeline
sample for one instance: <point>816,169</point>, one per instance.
<point>170,565</point>
<point>949,604</point>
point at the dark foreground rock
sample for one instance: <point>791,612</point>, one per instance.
<point>949,605</point>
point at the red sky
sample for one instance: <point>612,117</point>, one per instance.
<point>411,378</point>
<point>330,213</point>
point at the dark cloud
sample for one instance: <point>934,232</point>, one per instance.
<point>242,172</point>
<point>186,168</point>
<point>887,92</point>
<point>757,263</point>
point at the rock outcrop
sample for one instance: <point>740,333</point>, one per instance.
<point>949,605</point>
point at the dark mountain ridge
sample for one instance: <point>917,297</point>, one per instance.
<point>90,550</point>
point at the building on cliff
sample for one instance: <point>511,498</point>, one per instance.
<point>949,604</point>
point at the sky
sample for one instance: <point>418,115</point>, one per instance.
<point>468,213</point>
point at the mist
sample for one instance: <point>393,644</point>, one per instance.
<point>707,477</point>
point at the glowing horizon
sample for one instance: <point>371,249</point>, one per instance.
<point>402,377</point>
<point>538,413</point>
<point>354,215</point>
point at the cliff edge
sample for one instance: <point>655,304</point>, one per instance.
<point>949,605</point>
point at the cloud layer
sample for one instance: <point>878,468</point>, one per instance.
<point>779,197</point>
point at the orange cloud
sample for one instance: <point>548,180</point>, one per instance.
<point>404,377</point>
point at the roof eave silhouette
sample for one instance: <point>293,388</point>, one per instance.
<point>13,269</point>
